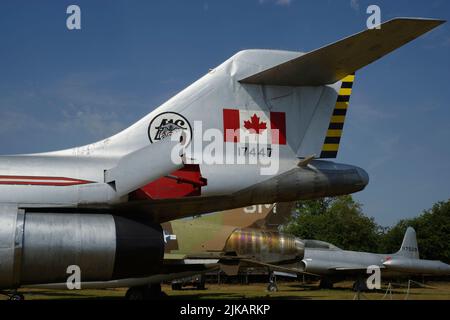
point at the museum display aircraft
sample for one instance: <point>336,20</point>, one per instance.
<point>278,115</point>
<point>334,264</point>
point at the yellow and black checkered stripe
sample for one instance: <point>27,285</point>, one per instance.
<point>334,133</point>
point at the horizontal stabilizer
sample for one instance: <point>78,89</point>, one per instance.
<point>331,63</point>
<point>143,166</point>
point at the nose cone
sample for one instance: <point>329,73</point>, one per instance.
<point>442,268</point>
<point>363,175</point>
<point>327,179</point>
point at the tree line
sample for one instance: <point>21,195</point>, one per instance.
<point>342,222</point>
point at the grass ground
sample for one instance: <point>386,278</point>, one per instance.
<point>287,290</point>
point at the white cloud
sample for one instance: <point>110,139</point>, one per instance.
<point>364,113</point>
<point>354,4</point>
<point>12,122</point>
<point>77,107</point>
<point>93,123</point>
<point>283,2</point>
<point>389,147</point>
<point>277,2</point>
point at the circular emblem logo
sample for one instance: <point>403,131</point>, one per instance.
<point>166,123</point>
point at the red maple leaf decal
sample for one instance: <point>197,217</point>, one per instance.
<point>255,126</point>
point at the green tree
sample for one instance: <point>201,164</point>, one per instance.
<point>433,233</point>
<point>338,220</point>
<point>393,237</point>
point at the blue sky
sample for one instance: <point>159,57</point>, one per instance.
<point>61,88</point>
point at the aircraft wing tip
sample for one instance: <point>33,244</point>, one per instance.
<point>431,21</point>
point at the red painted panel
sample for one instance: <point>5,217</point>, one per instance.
<point>231,125</point>
<point>185,182</point>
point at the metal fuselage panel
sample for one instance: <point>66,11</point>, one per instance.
<point>417,266</point>
<point>52,242</point>
<point>323,261</point>
<point>266,246</point>
<point>340,262</point>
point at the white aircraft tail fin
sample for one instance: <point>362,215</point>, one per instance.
<point>409,246</point>
<point>288,101</point>
<point>331,63</point>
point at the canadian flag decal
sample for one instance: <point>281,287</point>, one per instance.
<point>254,126</point>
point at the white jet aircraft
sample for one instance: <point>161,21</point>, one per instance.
<point>253,130</point>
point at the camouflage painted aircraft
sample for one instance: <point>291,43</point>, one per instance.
<point>100,206</point>
<point>235,239</point>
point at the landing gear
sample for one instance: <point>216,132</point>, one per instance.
<point>326,283</point>
<point>272,286</point>
<point>16,297</point>
<point>177,286</point>
<point>197,282</point>
<point>151,291</point>
<point>13,296</point>
<point>360,285</point>
<point>201,283</point>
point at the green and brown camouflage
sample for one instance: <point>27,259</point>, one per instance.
<point>210,232</point>
<point>247,235</point>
